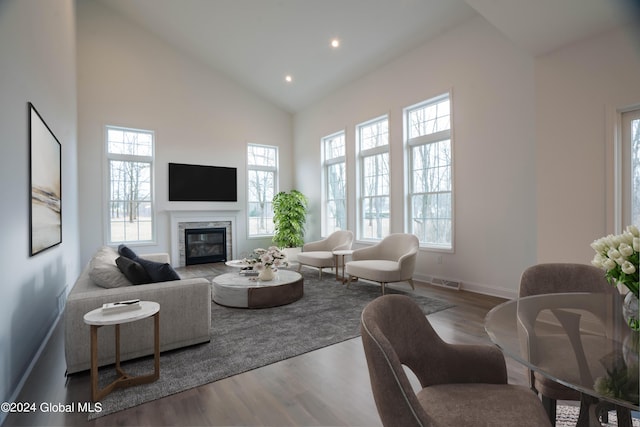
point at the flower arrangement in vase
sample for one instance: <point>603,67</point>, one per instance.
<point>266,261</point>
<point>621,380</point>
<point>618,256</point>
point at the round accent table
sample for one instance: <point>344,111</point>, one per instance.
<point>339,261</point>
<point>98,318</point>
<point>236,263</point>
<point>236,290</point>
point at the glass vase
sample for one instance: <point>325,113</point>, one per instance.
<point>630,311</point>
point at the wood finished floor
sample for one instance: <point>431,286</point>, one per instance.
<point>326,387</point>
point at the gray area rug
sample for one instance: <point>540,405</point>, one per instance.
<point>245,339</point>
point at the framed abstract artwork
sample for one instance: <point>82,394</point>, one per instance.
<point>46,184</point>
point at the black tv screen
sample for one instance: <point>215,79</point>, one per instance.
<point>197,183</point>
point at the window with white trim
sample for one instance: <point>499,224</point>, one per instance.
<point>262,180</point>
<point>334,168</point>
<point>430,180</point>
<point>130,179</point>
<point>373,178</point>
<point>630,168</point>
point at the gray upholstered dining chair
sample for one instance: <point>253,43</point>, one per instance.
<point>461,384</point>
<point>393,259</point>
<point>551,278</point>
<point>319,254</point>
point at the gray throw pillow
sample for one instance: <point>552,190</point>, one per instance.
<point>133,271</point>
<point>106,274</point>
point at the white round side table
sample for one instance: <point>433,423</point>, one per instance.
<point>98,318</point>
<point>237,263</point>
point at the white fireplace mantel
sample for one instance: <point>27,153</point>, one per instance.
<point>180,216</point>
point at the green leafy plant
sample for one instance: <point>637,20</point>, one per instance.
<point>620,382</point>
<point>289,217</point>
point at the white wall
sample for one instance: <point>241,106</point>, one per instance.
<point>494,154</point>
<point>579,90</point>
<point>533,139</point>
<point>128,77</point>
<point>37,63</point>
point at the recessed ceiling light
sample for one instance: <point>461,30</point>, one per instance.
<point>288,78</point>
<point>335,43</point>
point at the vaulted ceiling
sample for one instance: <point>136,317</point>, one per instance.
<point>260,42</point>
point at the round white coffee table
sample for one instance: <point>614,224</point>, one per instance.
<point>236,290</point>
<point>98,318</point>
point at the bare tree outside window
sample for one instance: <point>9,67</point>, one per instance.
<point>130,161</point>
<point>635,172</point>
<point>374,218</point>
<point>262,163</point>
<point>335,182</point>
<point>431,183</point>
<point>630,172</point>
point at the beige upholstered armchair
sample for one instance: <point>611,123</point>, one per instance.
<point>319,254</point>
<point>460,385</point>
<point>393,259</point>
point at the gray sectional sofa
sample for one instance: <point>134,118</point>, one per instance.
<point>185,312</point>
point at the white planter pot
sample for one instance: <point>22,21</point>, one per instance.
<point>292,254</point>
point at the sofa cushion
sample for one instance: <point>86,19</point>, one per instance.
<point>127,252</point>
<point>133,271</point>
<point>158,271</point>
<point>103,270</point>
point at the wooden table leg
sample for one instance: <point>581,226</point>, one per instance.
<point>94,362</point>
<point>624,417</point>
<point>339,277</point>
<point>124,379</point>
<point>587,416</point>
<point>117,348</point>
<point>156,345</point>
<point>591,408</point>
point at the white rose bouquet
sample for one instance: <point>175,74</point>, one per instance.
<point>264,258</point>
<point>618,256</point>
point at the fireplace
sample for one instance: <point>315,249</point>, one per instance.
<point>182,220</point>
<point>204,245</point>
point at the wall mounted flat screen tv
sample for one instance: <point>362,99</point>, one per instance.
<point>198,183</point>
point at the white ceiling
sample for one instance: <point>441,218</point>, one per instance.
<point>258,42</point>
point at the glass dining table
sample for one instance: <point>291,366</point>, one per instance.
<point>579,340</point>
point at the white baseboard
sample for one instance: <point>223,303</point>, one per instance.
<point>456,284</point>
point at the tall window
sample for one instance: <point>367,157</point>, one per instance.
<point>262,166</point>
<point>430,181</point>
<point>334,205</point>
<point>631,168</point>
<point>373,156</point>
<point>130,169</point>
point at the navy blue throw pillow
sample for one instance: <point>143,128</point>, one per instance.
<point>158,271</point>
<point>126,252</point>
<point>133,271</point>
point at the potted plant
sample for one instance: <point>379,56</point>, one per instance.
<point>289,217</point>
